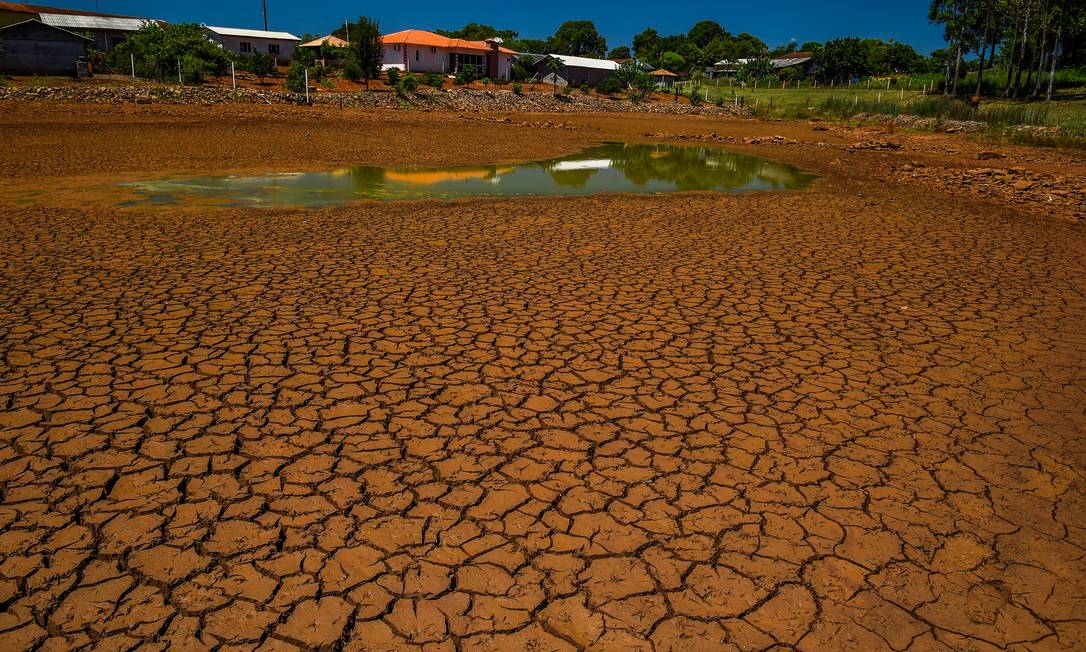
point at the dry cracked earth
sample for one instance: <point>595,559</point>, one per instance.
<point>846,418</point>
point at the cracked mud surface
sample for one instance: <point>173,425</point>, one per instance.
<point>848,418</point>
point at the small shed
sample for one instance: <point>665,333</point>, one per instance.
<point>35,48</point>
<point>575,71</point>
<point>664,78</point>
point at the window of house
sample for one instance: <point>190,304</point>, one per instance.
<point>416,55</point>
<point>433,50</point>
<point>245,48</point>
<point>273,48</point>
<point>461,60</point>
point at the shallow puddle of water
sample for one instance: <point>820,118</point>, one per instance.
<point>613,167</point>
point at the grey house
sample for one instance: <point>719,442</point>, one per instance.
<point>34,48</point>
<point>574,71</point>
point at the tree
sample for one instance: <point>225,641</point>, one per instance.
<point>646,45</point>
<point>672,61</point>
<point>260,64</point>
<point>717,50</point>
<point>366,48</point>
<point>627,73</point>
<point>955,18</point>
<point>578,38</point>
<point>158,49</point>
<point>755,69</point>
<point>621,52</point>
<point>782,50</point>
<point>705,32</point>
<point>553,65</point>
<point>296,77</point>
<point>842,59</point>
<point>749,46</point>
<point>523,68</point>
<point>536,45</point>
<point>478,32</point>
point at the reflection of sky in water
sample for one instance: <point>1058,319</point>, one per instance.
<point>608,168</point>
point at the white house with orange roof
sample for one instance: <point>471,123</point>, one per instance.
<point>416,50</point>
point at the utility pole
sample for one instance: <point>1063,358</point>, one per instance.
<point>265,5</point>
<point>347,31</point>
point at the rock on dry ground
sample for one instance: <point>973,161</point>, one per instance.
<point>845,418</point>
<point>458,99</point>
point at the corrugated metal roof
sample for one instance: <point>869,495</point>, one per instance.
<point>252,33</point>
<point>19,7</point>
<point>788,62</point>
<point>72,21</point>
<point>585,62</point>
<point>35,20</point>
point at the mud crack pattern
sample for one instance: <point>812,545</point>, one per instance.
<point>830,420</point>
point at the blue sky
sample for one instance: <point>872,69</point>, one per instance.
<point>774,21</point>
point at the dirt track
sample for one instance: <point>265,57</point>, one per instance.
<point>846,418</point>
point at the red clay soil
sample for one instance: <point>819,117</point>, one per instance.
<point>849,417</point>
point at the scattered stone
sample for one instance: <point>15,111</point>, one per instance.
<point>468,101</point>
<point>875,145</point>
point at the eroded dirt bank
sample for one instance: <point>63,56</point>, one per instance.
<point>845,418</point>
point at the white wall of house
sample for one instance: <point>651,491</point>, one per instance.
<point>237,45</point>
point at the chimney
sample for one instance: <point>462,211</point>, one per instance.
<point>493,57</point>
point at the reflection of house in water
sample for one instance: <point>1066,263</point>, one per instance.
<point>586,164</point>
<point>430,177</point>
<point>777,174</point>
<point>575,174</point>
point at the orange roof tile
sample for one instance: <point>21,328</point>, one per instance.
<point>663,73</point>
<point>424,38</point>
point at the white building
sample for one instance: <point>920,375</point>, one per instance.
<point>280,45</point>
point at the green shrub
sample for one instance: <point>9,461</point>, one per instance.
<point>329,51</point>
<point>296,77</point>
<point>393,76</point>
<point>304,56</point>
<point>260,64</point>
<point>609,86</point>
<point>410,82</point>
<point>719,101</point>
<point>401,92</point>
<point>518,88</point>
<point>352,71</point>
<point>585,88</point>
<point>157,50</point>
<point>567,90</point>
<point>695,97</point>
<point>435,80</point>
<point>466,75</point>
